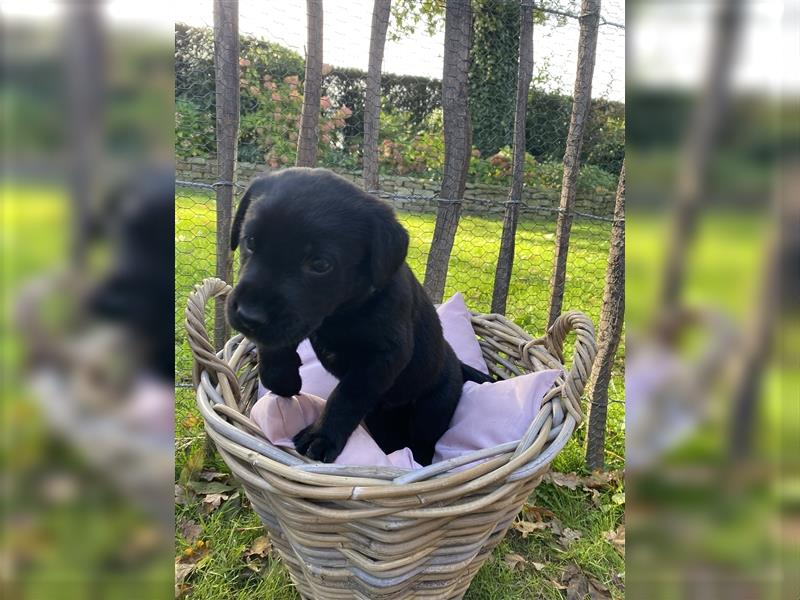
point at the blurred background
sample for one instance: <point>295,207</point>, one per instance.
<point>87,244</point>
<point>712,289</point>
<point>712,332</point>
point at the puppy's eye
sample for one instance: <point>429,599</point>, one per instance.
<point>319,266</point>
<point>250,243</point>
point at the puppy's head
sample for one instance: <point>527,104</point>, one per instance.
<point>311,243</point>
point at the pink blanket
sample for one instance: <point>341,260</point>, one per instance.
<point>487,415</point>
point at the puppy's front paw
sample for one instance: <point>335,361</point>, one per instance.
<point>283,382</point>
<point>318,445</point>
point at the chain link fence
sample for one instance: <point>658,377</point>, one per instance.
<point>428,132</point>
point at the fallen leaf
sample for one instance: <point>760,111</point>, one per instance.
<point>190,531</point>
<point>538,512</point>
<point>569,536</point>
<point>528,527</point>
<point>601,479</point>
<point>209,487</point>
<point>182,571</point>
<point>575,582</point>
<point>617,538</point>
<point>260,547</point>
<point>211,503</point>
<point>567,480</point>
<point>190,421</point>
<point>618,498</point>
<point>596,496</point>
<point>514,560</point>
<point>180,495</point>
<point>555,526</point>
<point>537,566</point>
<point>213,476</point>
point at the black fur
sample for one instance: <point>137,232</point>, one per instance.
<point>325,260</point>
<point>141,280</point>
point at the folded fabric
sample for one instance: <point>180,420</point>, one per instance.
<point>457,330</point>
<point>490,414</point>
<point>282,418</point>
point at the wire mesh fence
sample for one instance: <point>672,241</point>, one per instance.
<point>428,132</point>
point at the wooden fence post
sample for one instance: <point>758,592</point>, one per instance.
<point>308,139</point>
<point>611,319</point>
<point>505,260</point>
<point>226,70</point>
<point>372,100</point>
<point>457,142</point>
<point>581,103</point>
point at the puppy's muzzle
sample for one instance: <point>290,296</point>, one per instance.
<point>251,317</point>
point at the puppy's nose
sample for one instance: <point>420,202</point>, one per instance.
<point>250,316</point>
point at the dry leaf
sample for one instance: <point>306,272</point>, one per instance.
<point>527,527</point>
<point>260,547</point>
<point>190,531</point>
<point>555,526</point>
<point>514,560</point>
<point>601,479</point>
<point>213,476</point>
<point>567,480</point>
<point>569,536</point>
<point>617,538</point>
<point>577,585</point>
<point>211,503</point>
<point>537,566</point>
<point>209,487</point>
<point>190,421</point>
<point>180,495</point>
<point>538,512</point>
<point>182,571</point>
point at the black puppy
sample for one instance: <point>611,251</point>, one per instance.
<point>324,260</point>
<point>141,281</point>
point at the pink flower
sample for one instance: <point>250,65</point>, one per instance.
<point>346,111</point>
<point>291,79</point>
<point>273,163</point>
<point>325,103</point>
<point>276,97</point>
<point>326,138</point>
<point>243,62</point>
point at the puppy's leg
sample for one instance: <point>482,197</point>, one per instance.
<point>279,370</point>
<point>432,416</point>
<point>358,393</point>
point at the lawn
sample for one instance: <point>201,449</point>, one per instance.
<point>224,540</point>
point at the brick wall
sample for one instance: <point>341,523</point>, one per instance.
<point>479,198</point>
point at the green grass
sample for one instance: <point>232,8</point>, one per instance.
<point>232,529</point>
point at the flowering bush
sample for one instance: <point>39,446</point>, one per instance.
<point>272,127</point>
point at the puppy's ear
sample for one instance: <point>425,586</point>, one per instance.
<point>236,229</point>
<point>389,246</point>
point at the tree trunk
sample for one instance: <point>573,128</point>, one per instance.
<point>226,70</point>
<point>702,131</point>
<point>611,319</point>
<point>505,260</point>
<point>782,251</point>
<point>457,141</point>
<point>84,50</point>
<point>372,100</point>
<point>308,140</point>
<point>581,101</point>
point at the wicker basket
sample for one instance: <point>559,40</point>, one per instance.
<point>379,533</point>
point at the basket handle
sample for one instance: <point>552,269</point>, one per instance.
<point>583,355</point>
<point>205,357</point>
